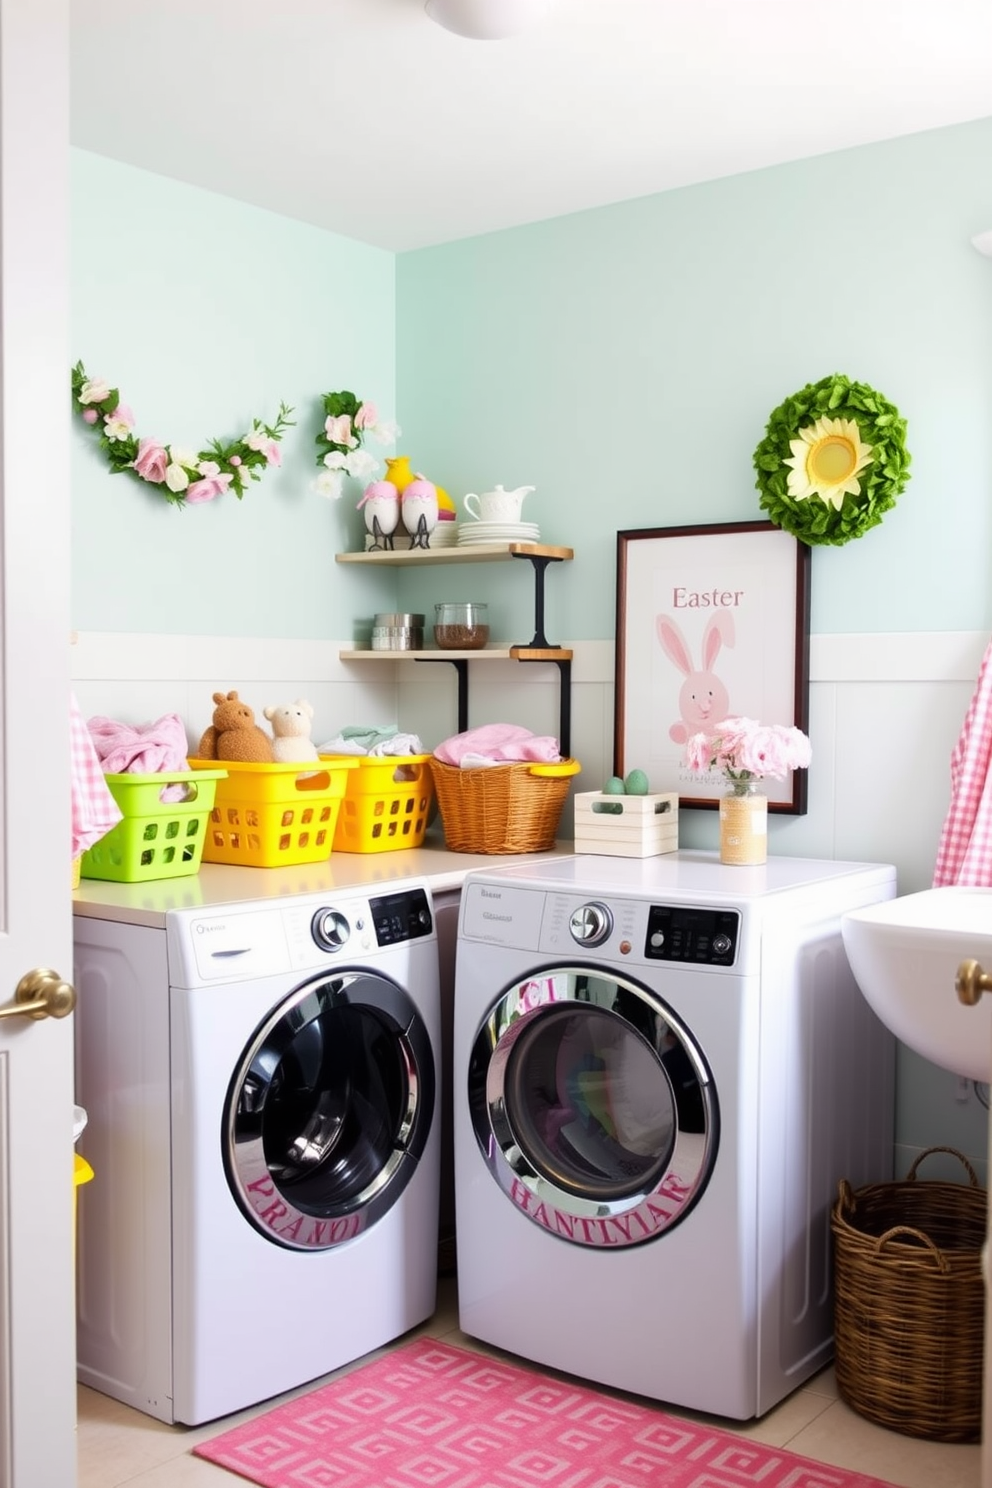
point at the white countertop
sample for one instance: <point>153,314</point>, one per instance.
<point>219,883</point>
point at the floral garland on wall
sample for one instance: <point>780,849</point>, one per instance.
<point>340,444</point>
<point>832,462</point>
<point>184,477</point>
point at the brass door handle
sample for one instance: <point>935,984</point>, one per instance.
<point>971,982</point>
<point>41,994</point>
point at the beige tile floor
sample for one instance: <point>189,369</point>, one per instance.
<point>119,1446</point>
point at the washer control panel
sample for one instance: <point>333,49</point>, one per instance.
<point>706,937</point>
<point>394,918</point>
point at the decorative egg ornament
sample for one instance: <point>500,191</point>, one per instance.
<point>614,787</point>
<point>832,462</point>
<point>636,783</point>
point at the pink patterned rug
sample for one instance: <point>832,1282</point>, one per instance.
<point>430,1415</point>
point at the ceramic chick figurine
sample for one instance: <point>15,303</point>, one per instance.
<point>418,508</point>
<point>381,503</point>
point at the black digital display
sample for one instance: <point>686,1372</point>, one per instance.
<point>706,937</point>
<point>399,917</point>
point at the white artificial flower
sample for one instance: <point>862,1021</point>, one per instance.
<point>176,478</point>
<point>329,483</point>
<point>116,428</point>
<point>335,460</point>
<point>184,457</point>
<point>208,467</point>
<point>94,391</point>
<point>361,464</point>
<point>384,432</point>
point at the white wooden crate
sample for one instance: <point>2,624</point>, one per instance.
<point>626,826</point>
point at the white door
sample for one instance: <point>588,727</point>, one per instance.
<point>37,1311</point>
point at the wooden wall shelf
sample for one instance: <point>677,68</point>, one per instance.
<point>538,649</point>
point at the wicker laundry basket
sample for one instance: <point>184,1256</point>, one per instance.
<point>909,1302</point>
<point>502,808</point>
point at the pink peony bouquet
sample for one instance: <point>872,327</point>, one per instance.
<point>747,750</point>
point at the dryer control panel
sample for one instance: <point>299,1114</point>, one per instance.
<point>706,937</point>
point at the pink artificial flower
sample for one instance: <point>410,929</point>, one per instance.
<point>338,430</point>
<point>206,490</point>
<point>90,416</point>
<point>152,461</point>
<point>366,416</point>
<point>270,450</point>
<point>743,747</point>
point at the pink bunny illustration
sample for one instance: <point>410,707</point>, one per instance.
<point>703,698</point>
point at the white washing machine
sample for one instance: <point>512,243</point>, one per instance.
<point>662,1070</point>
<point>261,1083</point>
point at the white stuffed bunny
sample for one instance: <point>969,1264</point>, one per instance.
<point>291,724</point>
<point>703,698</point>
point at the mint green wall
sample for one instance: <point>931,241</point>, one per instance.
<point>206,313</point>
<point>625,360</point>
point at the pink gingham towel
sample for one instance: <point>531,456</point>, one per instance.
<point>965,852</point>
<point>94,810</point>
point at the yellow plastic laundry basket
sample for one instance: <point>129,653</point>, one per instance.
<point>270,816</point>
<point>386,803</point>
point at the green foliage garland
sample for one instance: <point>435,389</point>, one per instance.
<point>810,518</point>
<point>182,477</point>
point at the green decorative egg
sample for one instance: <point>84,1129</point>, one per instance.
<point>614,787</point>
<point>636,783</point>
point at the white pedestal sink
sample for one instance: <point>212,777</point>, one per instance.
<point>905,954</point>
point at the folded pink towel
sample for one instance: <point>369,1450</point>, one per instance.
<point>497,744</point>
<point>147,750</point>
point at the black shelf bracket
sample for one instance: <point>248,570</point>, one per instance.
<point>540,562</point>
<point>460,665</point>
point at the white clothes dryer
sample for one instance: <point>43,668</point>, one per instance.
<point>662,1069</point>
<point>261,1084</point>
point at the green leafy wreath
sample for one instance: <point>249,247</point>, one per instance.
<point>183,477</point>
<point>832,462</point>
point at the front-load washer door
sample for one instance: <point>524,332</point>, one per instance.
<point>593,1106</point>
<point>329,1110</point>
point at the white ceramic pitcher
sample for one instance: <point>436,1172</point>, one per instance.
<point>498,505</point>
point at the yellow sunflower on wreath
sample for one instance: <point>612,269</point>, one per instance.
<point>832,462</point>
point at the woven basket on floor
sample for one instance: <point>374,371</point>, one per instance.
<point>502,808</point>
<point>909,1303</point>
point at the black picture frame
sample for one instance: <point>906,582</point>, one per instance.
<point>710,618</point>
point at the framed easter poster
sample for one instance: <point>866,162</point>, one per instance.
<point>712,623</point>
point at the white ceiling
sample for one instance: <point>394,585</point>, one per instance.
<point>366,118</point>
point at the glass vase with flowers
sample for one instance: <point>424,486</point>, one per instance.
<point>746,752</point>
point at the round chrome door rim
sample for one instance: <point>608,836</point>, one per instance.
<point>260,1199</point>
<point>640,1216</point>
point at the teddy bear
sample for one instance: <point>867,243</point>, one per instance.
<point>234,734</point>
<point>291,732</point>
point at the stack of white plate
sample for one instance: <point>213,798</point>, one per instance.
<point>470,533</point>
<point>445,535</point>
